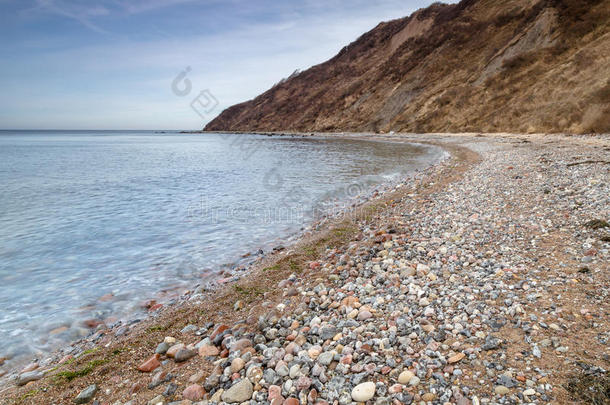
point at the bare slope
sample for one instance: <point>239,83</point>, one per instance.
<point>480,65</point>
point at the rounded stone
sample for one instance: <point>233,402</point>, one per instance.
<point>86,395</point>
<point>171,352</point>
<point>405,377</point>
<point>237,365</point>
<point>239,392</point>
<point>363,392</point>
<point>529,392</point>
<point>193,392</point>
<point>183,355</point>
<point>208,350</point>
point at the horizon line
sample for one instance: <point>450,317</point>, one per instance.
<point>93,129</point>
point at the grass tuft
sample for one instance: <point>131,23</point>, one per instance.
<point>275,267</point>
<point>590,389</point>
<point>597,224</point>
<point>71,375</point>
<point>157,328</point>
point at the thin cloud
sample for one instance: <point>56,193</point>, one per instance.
<point>95,80</point>
<point>137,7</point>
<point>77,13</point>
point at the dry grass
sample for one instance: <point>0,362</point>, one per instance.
<point>547,89</point>
<point>590,389</point>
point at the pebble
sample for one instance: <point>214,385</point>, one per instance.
<point>405,377</point>
<point>158,400</point>
<point>456,358</point>
<point>184,355</point>
<point>162,348</point>
<point>208,350</point>
<point>171,352</point>
<point>29,377</point>
<point>239,392</point>
<point>237,365</point>
<point>150,364</point>
<point>363,392</point>
<point>325,358</point>
<point>86,395</point>
<point>193,392</point>
<point>364,315</point>
<point>536,351</point>
<point>529,392</point>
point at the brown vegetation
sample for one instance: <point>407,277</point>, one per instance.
<point>479,65</point>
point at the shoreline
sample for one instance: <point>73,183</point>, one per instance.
<point>172,296</point>
<point>235,272</point>
<point>228,272</point>
<point>309,256</point>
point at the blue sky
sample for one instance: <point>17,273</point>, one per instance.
<point>110,64</point>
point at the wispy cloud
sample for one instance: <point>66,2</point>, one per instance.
<point>82,13</point>
<point>77,78</point>
<point>140,6</point>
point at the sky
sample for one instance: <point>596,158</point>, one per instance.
<point>163,64</point>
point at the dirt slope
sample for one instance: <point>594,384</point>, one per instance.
<point>480,65</point>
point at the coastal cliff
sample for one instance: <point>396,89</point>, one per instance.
<point>479,65</point>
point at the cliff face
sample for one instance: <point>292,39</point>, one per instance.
<point>480,65</point>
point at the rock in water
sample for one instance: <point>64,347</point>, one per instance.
<point>238,393</point>
<point>86,395</point>
<point>363,392</point>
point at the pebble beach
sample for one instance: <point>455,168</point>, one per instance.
<point>482,281</point>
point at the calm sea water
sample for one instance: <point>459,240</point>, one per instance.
<point>93,223</point>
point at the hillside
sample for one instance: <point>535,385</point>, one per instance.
<point>480,65</point>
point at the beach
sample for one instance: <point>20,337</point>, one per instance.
<point>99,226</point>
<point>482,280</point>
